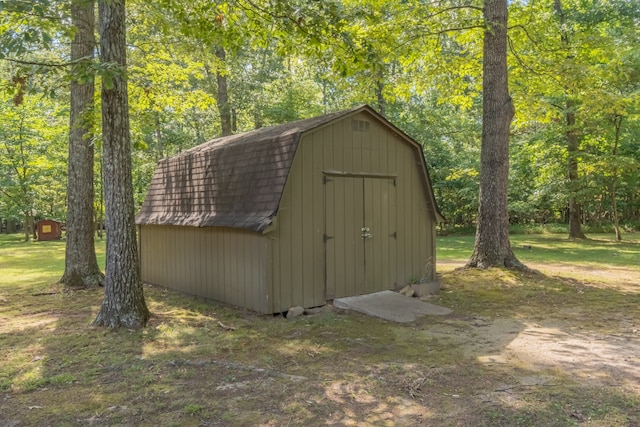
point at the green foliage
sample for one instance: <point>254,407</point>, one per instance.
<point>419,62</point>
<point>32,157</point>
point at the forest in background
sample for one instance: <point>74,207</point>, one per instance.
<point>201,69</point>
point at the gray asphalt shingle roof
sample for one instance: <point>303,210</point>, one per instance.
<point>234,181</point>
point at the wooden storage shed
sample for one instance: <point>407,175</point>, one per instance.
<point>48,229</point>
<point>292,215</point>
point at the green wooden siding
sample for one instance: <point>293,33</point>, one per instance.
<point>221,264</point>
<point>353,172</point>
<point>372,171</point>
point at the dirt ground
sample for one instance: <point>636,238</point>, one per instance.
<point>562,349</point>
<point>563,340</point>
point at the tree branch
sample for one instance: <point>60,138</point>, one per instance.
<point>47,64</point>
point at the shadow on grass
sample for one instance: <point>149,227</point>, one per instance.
<point>208,364</point>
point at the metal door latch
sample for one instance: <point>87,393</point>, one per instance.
<point>365,233</point>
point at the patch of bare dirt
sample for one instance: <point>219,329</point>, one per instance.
<point>562,343</point>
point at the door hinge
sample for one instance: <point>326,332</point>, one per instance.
<point>325,238</point>
<point>326,179</point>
<point>394,235</point>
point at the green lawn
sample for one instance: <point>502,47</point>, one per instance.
<point>599,249</point>
<point>35,263</point>
<point>553,349</point>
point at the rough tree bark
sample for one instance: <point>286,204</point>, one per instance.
<point>573,148</point>
<point>573,140</point>
<point>617,124</point>
<point>222,95</point>
<point>492,247</point>
<point>81,268</point>
<point>124,303</point>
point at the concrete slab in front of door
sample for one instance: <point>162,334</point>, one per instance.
<point>391,306</point>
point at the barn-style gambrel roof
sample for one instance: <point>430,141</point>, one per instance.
<point>234,181</point>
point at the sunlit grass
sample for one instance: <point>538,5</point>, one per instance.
<point>35,263</point>
<point>599,249</point>
<point>188,368</point>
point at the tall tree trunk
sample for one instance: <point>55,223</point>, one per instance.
<point>81,266</point>
<point>159,141</point>
<point>492,247</point>
<point>573,141</point>
<point>28,225</point>
<point>382,104</point>
<point>222,95</point>
<point>573,149</point>
<point>124,303</point>
<point>617,123</point>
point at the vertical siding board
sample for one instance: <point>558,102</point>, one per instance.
<point>306,236</point>
<point>318,294</point>
<point>259,271</point>
<point>228,267</point>
<point>268,263</point>
<point>150,234</point>
<point>418,240</point>
<point>371,245</point>
<point>345,256</point>
<point>186,235</point>
<point>206,289</point>
<point>366,140</point>
<point>254,290</point>
<point>144,276</point>
<point>391,148</point>
<point>185,262</point>
<point>330,244</point>
<point>243,270</point>
<point>357,151</point>
<point>238,266</point>
<point>163,238</point>
<point>343,148</point>
<point>221,274</point>
<point>297,255</point>
<point>201,262</point>
<point>168,239</point>
<point>209,279</point>
<point>285,252</point>
<point>386,238</point>
<point>405,212</point>
<point>191,246</point>
<point>174,273</point>
<point>393,241</point>
<point>276,280</point>
<point>147,256</point>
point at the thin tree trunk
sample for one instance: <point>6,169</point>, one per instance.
<point>382,105</point>
<point>573,147</point>
<point>159,142</point>
<point>222,96</point>
<point>27,226</point>
<point>32,224</point>
<point>81,268</point>
<point>124,303</point>
<point>617,123</point>
<point>492,247</point>
<point>573,141</point>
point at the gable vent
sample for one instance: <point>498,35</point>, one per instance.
<point>360,125</point>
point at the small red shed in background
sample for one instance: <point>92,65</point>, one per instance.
<point>49,229</point>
